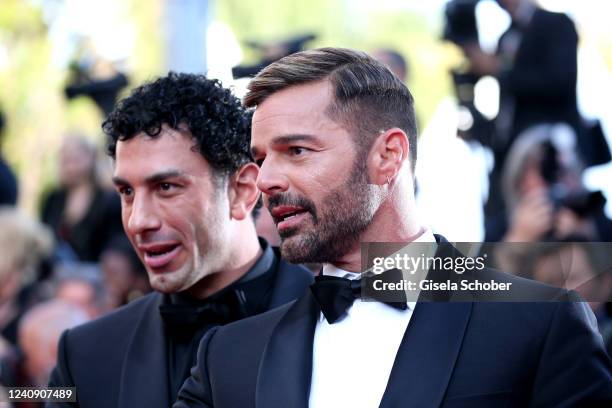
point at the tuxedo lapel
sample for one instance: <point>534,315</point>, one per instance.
<point>144,378</point>
<point>286,366</point>
<point>426,357</point>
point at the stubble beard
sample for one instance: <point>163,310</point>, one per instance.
<point>343,215</point>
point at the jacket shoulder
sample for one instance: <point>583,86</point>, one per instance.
<point>113,326</point>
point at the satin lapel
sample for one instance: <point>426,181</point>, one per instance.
<point>426,357</point>
<point>144,379</point>
<point>286,366</point>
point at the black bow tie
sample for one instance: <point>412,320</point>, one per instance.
<point>189,318</point>
<point>336,295</point>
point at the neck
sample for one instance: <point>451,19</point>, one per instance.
<point>395,221</point>
<point>244,253</point>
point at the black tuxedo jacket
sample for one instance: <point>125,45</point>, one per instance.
<point>463,354</point>
<point>120,360</point>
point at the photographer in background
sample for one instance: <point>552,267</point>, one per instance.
<point>536,66</point>
<point>95,77</point>
<point>543,191</point>
<point>544,195</point>
<point>271,52</point>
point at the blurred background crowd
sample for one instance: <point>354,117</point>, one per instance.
<point>510,95</point>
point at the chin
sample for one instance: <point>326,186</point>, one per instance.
<point>165,284</point>
<point>294,252</point>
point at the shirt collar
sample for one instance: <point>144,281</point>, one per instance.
<point>263,264</point>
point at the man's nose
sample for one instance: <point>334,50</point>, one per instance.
<point>272,180</point>
<point>143,216</point>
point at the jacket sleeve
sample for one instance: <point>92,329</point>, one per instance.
<point>574,369</point>
<point>61,376</point>
<point>196,390</point>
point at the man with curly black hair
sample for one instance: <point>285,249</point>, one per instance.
<point>183,168</point>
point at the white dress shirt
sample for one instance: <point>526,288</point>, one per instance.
<point>353,358</point>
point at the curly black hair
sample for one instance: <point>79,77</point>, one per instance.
<point>218,123</point>
<point>215,118</point>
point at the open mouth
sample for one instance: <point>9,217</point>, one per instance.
<point>160,255</point>
<point>288,216</point>
<point>161,252</point>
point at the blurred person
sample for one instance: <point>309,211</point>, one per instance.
<point>536,66</point>
<point>331,347</point>
<point>394,61</point>
<point>545,197</point>
<point>543,190</point>
<point>400,68</point>
<point>125,277</point>
<point>30,364</point>
<point>81,213</point>
<point>94,76</point>
<point>8,181</point>
<point>4,397</point>
<point>39,332</point>
<point>270,52</point>
<point>24,243</point>
<point>188,190</point>
<point>81,284</point>
<point>576,264</point>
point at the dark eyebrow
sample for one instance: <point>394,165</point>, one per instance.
<point>155,178</point>
<point>283,140</point>
<point>294,138</point>
<point>118,181</point>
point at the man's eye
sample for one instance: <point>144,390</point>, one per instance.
<point>296,150</point>
<point>166,186</point>
<point>126,191</point>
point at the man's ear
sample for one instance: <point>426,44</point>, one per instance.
<point>387,156</point>
<point>243,192</point>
